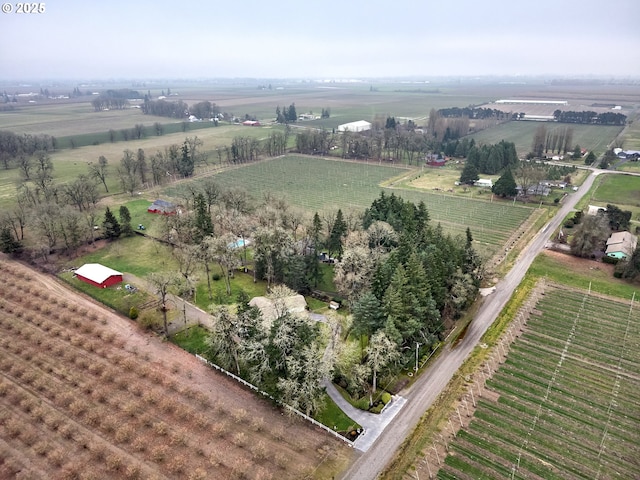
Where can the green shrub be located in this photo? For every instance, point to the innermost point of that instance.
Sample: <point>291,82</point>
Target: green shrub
<point>611,260</point>
<point>377,408</point>
<point>362,403</point>
<point>133,313</point>
<point>386,397</point>
<point>148,321</point>
<point>215,277</point>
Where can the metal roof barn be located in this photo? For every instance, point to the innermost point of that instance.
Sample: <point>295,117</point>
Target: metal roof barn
<point>98,275</point>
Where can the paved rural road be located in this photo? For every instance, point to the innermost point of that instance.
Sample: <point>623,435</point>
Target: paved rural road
<point>435,378</point>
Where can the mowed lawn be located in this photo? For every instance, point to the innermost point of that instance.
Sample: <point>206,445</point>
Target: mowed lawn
<point>591,137</point>
<point>618,189</point>
<point>317,184</point>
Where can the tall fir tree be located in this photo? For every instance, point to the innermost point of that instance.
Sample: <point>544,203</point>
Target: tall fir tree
<point>505,186</point>
<point>203,223</point>
<point>111,225</point>
<point>125,221</point>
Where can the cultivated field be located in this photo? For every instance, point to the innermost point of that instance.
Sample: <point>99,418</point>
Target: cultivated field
<point>591,137</point>
<point>316,184</point>
<point>84,394</point>
<point>565,403</point>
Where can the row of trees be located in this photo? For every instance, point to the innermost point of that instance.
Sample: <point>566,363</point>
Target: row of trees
<point>16,149</point>
<point>473,112</point>
<point>588,117</point>
<point>559,139</point>
<point>164,108</point>
<point>114,99</point>
<point>286,115</point>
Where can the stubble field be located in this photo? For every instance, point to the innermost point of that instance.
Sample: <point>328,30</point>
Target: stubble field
<point>84,394</point>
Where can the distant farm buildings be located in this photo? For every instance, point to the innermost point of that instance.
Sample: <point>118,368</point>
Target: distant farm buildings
<point>162,207</point>
<point>621,245</point>
<point>98,275</point>
<point>532,102</point>
<point>435,160</point>
<point>359,126</point>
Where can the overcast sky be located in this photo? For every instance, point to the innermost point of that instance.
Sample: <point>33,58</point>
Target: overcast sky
<point>320,39</point>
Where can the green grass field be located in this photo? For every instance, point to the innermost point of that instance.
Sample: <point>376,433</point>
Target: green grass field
<point>591,137</point>
<point>316,184</point>
<point>620,190</point>
<point>566,406</point>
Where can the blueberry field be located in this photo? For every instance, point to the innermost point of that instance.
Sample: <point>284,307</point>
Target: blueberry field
<point>316,184</point>
<point>565,403</point>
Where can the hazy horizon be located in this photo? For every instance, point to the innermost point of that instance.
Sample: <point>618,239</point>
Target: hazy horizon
<point>288,39</point>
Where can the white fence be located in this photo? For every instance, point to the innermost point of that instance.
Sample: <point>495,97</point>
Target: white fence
<point>288,407</point>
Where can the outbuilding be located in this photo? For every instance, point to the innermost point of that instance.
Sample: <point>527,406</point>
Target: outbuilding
<point>163,207</point>
<point>98,275</point>
<point>359,126</point>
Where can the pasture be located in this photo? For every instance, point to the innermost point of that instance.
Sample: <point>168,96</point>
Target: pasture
<point>591,137</point>
<point>318,184</point>
<point>617,189</point>
<point>69,163</point>
<point>85,394</point>
<point>564,404</point>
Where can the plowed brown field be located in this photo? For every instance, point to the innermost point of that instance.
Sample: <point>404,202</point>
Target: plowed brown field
<point>85,394</point>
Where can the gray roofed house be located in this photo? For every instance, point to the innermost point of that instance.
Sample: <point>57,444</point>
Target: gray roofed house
<point>621,245</point>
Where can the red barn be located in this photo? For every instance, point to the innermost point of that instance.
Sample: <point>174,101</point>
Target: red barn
<point>98,275</point>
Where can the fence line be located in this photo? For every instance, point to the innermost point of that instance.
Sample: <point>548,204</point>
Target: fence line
<point>265,394</point>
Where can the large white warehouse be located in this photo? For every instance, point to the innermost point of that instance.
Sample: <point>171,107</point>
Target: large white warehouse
<point>359,126</point>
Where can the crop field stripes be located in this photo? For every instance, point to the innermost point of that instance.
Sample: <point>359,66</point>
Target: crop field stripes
<point>564,402</point>
<point>317,184</point>
<point>616,387</point>
<point>552,381</point>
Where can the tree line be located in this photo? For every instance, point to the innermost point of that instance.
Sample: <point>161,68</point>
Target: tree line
<point>114,99</point>
<point>589,117</point>
<point>549,141</point>
<point>15,149</point>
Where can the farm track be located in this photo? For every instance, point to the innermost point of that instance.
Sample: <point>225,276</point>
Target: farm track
<point>567,405</point>
<point>84,395</point>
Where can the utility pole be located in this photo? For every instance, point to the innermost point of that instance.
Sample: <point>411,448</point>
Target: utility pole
<point>417,348</point>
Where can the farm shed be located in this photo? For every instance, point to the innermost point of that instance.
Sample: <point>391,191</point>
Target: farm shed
<point>484,183</point>
<point>98,275</point>
<point>621,245</point>
<point>435,160</point>
<point>359,126</point>
<point>162,207</point>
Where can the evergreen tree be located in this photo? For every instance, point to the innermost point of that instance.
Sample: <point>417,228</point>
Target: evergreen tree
<point>8,243</point>
<point>292,116</point>
<point>469,174</point>
<point>203,224</point>
<point>186,163</point>
<point>125,221</point>
<point>505,186</point>
<point>590,158</point>
<point>110,225</point>
<point>338,231</point>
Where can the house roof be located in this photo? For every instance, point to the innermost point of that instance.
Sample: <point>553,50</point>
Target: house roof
<point>269,309</point>
<point>96,272</point>
<point>624,242</point>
